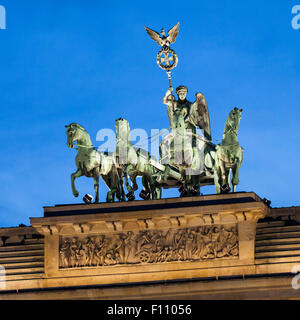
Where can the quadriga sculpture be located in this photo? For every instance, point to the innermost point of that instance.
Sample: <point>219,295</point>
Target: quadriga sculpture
<point>91,163</point>
<point>229,155</point>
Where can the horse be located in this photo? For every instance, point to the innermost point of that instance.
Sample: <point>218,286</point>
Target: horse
<point>135,162</point>
<point>229,155</point>
<point>92,163</point>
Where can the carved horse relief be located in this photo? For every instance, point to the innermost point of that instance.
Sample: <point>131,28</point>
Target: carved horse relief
<point>150,246</point>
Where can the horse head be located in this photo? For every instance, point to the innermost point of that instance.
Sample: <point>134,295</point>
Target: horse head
<point>74,133</point>
<point>122,129</point>
<point>233,121</point>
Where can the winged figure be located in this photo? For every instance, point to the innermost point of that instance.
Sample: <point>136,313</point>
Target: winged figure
<point>161,38</point>
<point>199,115</point>
<point>196,114</point>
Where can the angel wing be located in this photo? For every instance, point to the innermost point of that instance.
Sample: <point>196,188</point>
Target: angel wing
<point>173,33</point>
<point>154,35</point>
<point>199,115</point>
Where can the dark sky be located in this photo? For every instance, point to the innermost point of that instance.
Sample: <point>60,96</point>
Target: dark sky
<point>92,62</point>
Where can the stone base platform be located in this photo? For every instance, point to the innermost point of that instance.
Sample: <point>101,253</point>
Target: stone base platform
<point>182,248</point>
<point>143,241</point>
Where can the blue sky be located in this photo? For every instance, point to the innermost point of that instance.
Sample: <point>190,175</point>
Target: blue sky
<point>92,62</point>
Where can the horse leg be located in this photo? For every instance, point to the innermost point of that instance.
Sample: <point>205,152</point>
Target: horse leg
<point>224,178</point>
<point>107,180</point>
<point>153,188</point>
<point>96,187</point>
<point>115,184</point>
<point>146,187</point>
<point>109,196</point>
<point>195,186</point>
<point>116,181</point>
<point>133,179</point>
<point>121,184</point>
<point>227,180</point>
<point>223,173</point>
<point>217,173</point>
<point>129,173</point>
<point>235,176</point>
<point>149,184</point>
<point>75,175</point>
<point>216,179</point>
<point>158,192</point>
<point>127,183</point>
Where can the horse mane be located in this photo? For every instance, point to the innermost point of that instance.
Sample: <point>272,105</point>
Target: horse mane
<point>81,128</point>
<point>228,126</point>
<point>126,122</point>
<point>77,125</point>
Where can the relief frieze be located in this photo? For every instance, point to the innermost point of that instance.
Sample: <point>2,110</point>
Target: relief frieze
<point>149,247</point>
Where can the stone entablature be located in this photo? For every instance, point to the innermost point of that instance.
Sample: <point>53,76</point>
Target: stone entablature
<point>154,240</point>
<point>270,246</point>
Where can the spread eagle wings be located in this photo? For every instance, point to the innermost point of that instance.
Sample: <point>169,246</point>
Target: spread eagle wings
<point>199,115</point>
<point>173,32</point>
<point>154,35</point>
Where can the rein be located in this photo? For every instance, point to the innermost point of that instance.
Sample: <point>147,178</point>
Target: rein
<point>82,146</point>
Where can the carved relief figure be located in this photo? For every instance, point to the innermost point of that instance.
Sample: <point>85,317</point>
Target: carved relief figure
<point>149,246</point>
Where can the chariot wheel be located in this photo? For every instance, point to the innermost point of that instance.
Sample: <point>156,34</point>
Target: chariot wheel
<point>144,256</point>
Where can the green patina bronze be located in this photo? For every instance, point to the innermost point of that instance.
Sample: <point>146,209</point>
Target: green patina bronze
<point>91,163</point>
<point>184,150</point>
<point>229,155</point>
<point>188,160</point>
<point>135,163</point>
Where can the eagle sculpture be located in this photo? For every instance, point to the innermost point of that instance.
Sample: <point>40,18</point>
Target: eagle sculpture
<point>162,39</point>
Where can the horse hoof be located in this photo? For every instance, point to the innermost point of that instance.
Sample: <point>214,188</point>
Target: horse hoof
<point>87,198</point>
<point>183,192</point>
<point>145,195</point>
<point>76,194</point>
<point>195,190</point>
<point>225,189</point>
<point>130,196</point>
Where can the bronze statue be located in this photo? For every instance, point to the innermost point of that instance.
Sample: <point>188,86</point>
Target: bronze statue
<point>187,160</point>
<point>166,58</point>
<point>163,40</point>
<point>91,163</point>
<point>134,163</point>
<point>195,114</point>
<point>184,149</point>
<point>229,155</point>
